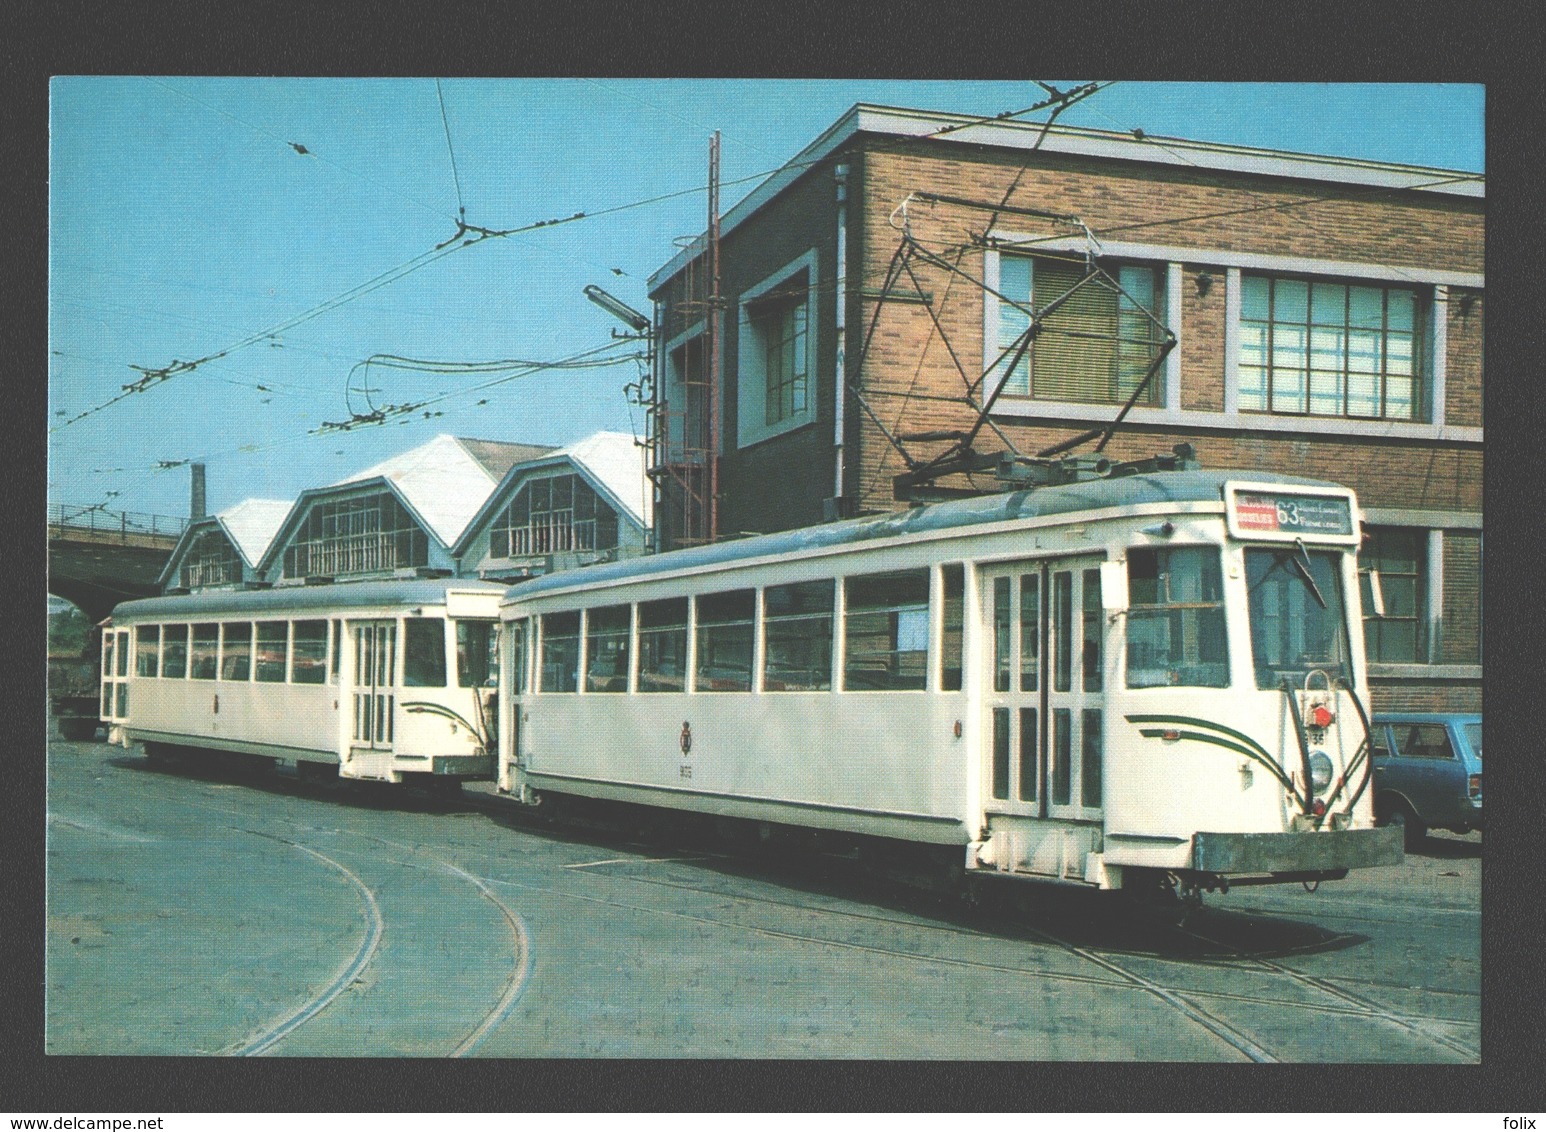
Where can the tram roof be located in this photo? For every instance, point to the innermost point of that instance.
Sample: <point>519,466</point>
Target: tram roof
<point>1041,502</point>
<point>334,595</point>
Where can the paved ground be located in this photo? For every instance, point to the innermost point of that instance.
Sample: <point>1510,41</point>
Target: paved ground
<point>196,912</point>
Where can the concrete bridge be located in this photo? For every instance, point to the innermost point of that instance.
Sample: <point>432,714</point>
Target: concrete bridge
<point>97,557</point>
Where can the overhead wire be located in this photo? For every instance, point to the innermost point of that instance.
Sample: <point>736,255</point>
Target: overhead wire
<point>1063,101</point>
<point>298,147</point>
<point>461,209</point>
<point>151,377</point>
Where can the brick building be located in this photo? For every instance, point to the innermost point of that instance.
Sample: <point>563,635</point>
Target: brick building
<point>1327,313</point>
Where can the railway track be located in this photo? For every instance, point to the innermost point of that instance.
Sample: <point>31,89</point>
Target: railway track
<point>1018,949</point>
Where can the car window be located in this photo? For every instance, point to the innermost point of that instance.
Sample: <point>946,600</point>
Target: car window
<point>1381,741</point>
<point>1473,734</point>
<point>1423,741</point>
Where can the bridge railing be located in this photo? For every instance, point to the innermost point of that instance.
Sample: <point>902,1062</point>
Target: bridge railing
<point>126,524</point>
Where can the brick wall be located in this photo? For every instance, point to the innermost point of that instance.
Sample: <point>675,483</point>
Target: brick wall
<point>912,379</point>
<point>1460,639</point>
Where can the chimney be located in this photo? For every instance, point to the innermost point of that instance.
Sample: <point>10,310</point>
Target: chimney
<point>196,503</point>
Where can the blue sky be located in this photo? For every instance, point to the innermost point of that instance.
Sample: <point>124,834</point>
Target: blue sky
<point>183,222</point>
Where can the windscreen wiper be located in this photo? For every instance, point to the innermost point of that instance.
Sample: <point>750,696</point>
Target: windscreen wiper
<point>1302,564</point>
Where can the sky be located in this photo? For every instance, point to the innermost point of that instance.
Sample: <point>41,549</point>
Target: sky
<point>291,226</point>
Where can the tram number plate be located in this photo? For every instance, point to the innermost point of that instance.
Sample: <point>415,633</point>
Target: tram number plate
<point>1295,514</point>
<point>686,770</point>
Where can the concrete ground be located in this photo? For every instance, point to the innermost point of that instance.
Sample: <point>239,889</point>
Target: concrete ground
<point>204,912</point>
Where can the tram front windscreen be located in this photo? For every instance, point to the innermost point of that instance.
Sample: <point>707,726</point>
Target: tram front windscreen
<point>1298,617</point>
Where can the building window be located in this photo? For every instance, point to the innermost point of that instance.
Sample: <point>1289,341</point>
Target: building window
<point>775,353</point>
<point>1317,348</point>
<point>779,326</point>
<point>1097,346</point>
<point>553,515</point>
<point>211,561</point>
<point>356,536</point>
<point>1400,557</point>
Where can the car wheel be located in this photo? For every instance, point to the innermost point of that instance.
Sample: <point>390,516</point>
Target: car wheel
<point>1413,832</point>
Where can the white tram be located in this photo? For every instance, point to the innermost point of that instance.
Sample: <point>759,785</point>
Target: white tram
<point>370,680</point>
<point>1111,683</point>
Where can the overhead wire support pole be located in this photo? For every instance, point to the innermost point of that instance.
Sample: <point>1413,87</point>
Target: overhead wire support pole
<point>715,329</point>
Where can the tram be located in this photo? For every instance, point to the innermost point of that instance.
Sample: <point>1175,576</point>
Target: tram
<point>388,680</point>
<point>1151,678</point>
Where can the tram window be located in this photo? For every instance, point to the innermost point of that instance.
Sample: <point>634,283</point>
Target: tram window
<point>1175,618</point>
<point>797,629</point>
<point>424,652</point>
<point>1092,624</point>
<point>1028,738</point>
<point>725,625</point>
<point>1063,630</point>
<point>561,652</point>
<point>203,657</point>
<point>122,711</point>
<point>1001,657</point>
<point>308,660</point>
<point>517,637</point>
<point>273,649</point>
<point>174,652</point>
<point>336,633</point>
<point>236,650</point>
<point>1294,599</point>
<point>477,658</point>
<point>886,630</point>
<point>606,649</point>
<point>951,649</point>
<point>1030,632</point>
<point>147,650</point>
<point>1062,750</point>
<point>123,653</point>
<point>663,645</point>
<point>1090,758</point>
<point>1001,752</point>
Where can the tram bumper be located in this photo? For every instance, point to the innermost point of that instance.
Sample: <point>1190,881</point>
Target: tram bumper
<point>464,766</point>
<point>1318,852</point>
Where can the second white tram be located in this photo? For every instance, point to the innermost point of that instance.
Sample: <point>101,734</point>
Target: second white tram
<point>377,680</point>
<point>1108,683</point>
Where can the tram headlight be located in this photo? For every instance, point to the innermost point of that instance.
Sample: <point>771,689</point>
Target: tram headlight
<point>1320,770</point>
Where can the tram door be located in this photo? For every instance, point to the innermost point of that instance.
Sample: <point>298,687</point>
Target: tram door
<point>375,663</point>
<point>1042,691</point>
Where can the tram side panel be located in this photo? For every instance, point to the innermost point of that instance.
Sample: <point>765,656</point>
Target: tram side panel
<point>882,763</point>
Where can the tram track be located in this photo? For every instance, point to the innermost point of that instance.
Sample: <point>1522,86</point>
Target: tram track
<point>345,979</point>
<point>352,970</point>
<point>1338,1000</point>
<point>1350,1006</point>
<point>1325,986</point>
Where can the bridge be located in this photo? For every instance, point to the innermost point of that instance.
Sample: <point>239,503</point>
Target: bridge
<point>97,557</point>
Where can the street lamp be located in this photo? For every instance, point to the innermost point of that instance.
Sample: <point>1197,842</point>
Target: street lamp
<point>618,309</point>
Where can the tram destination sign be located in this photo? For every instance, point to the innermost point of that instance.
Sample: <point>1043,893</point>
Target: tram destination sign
<point>1277,511</point>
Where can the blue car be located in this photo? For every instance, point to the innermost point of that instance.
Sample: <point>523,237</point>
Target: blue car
<point>1428,772</point>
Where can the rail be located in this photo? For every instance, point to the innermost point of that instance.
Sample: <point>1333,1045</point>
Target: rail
<point>125,524</point>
